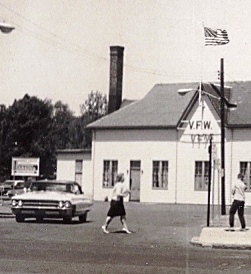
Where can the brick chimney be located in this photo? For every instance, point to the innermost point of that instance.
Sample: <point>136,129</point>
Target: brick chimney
<point>116,77</point>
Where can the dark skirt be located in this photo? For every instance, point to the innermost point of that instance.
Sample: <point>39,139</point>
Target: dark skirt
<point>116,208</point>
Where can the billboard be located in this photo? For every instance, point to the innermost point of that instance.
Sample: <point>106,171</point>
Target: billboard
<point>25,167</point>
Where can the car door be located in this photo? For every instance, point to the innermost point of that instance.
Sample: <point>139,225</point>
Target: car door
<point>79,199</point>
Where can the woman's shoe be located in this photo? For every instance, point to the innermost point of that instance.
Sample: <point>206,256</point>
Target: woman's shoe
<point>126,230</point>
<point>104,229</point>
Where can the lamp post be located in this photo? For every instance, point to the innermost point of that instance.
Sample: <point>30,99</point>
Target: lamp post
<point>223,103</point>
<point>222,108</point>
<point>209,179</point>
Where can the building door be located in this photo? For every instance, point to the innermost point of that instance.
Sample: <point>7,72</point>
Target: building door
<point>135,180</point>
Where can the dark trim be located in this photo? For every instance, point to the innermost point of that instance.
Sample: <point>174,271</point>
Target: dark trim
<point>69,151</point>
<point>188,108</point>
<point>132,127</point>
<point>238,126</point>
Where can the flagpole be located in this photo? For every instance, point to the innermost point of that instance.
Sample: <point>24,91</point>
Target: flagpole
<point>202,68</point>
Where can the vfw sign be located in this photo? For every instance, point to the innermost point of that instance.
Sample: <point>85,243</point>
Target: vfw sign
<point>202,126</point>
<point>25,167</point>
<point>200,131</point>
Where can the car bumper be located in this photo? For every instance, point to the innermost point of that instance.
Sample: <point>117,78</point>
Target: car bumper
<point>49,213</point>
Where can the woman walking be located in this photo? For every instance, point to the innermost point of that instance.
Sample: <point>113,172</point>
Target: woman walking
<point>117,204</point>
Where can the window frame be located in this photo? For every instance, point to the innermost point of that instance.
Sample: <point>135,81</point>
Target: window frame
<point>110,171</point>
<point>159,178</point>
<point>246,170</point>
<point>201,175</point>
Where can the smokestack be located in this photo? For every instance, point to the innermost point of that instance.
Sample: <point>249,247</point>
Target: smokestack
<point>116,77</point>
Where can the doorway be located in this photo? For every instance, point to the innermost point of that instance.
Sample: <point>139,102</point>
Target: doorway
<point>135,180</point>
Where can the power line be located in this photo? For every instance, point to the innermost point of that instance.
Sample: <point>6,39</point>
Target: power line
<point>63,44</point>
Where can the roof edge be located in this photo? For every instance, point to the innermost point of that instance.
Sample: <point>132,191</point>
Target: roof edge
<point>132,127</point>
<point>77,150</point>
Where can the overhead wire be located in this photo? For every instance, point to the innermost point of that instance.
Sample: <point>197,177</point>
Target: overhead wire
<point>51,33</point>
<point>66,45</point>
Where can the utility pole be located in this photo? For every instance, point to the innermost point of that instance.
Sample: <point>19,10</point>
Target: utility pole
<point>222,118</point>
<point>209,180</point>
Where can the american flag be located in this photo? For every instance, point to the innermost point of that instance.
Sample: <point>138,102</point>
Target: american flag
<point>215,37</point>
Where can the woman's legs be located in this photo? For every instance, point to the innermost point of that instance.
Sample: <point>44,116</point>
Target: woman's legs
<point>125,228</point>
<point>107,222</point>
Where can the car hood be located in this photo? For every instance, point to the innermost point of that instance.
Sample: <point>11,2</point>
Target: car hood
<point>6,186</point>
<point>48,195</point>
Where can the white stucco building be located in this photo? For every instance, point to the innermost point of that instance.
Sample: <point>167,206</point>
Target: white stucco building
<point>161,144</point>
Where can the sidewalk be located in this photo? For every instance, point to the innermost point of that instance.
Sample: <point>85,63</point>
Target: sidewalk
<point>217,236</point>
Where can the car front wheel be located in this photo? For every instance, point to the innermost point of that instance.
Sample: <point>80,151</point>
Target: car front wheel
<point>19,218</point>
<point>82,218</point>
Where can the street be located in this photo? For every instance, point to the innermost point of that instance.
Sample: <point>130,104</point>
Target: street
<point>159,244</point>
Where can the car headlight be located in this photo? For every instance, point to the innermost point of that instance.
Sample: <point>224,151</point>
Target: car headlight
<point>61,204</point>
<point>20,203</point>
<point>67,204</point>
<point>14,203</point>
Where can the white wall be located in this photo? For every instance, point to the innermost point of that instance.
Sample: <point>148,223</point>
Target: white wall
<point>181,148</point>
<point>66,169</point>
<point>141,145</point>
<point>241,148</point>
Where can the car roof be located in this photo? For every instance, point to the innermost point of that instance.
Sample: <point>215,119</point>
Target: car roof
<point>13,181</point>
<point>55,181</point>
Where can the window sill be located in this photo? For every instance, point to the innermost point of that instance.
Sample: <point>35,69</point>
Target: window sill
<point>159,188</point>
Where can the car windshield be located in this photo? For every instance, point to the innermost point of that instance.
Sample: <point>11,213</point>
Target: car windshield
<point>9,183</point>
<point>51,186</point>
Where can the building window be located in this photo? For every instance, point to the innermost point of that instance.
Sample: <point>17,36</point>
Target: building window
<point>245,168</point>
<point>160,174</point>
<point>201,175</point>
<point>78,171</point>
<point>110,171</point>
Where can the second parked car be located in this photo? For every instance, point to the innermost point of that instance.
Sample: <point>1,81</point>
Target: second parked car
<point>10,185</point>
<point>18,188</point>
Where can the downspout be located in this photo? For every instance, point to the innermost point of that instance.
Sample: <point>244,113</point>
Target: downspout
<point>93,161</point>
<point>176,169</point>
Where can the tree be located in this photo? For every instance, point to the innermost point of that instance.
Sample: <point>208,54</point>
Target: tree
<point>28,132</point>
<point>95,107</point>
<point>2,136</point>
<point>62,126</point>
<point>36,128</point>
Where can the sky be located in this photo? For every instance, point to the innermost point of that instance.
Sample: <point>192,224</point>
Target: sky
<point>60,49</point>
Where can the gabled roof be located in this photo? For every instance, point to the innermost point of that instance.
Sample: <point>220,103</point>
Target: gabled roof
<point>163,107</point>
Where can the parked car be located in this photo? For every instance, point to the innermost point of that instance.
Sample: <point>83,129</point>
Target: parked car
<point>17,189</point>
<point>9,185</point>
<point>51,199</point>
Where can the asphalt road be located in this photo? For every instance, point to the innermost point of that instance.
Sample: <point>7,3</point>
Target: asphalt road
<point>159,244</point>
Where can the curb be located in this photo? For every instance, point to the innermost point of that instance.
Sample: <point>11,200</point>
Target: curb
<point>195,241</point>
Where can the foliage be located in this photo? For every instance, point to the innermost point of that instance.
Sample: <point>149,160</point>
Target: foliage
<point>36,128</point>
<point>61,126</point>
<point>27,132</point>
<point>95,107</point>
